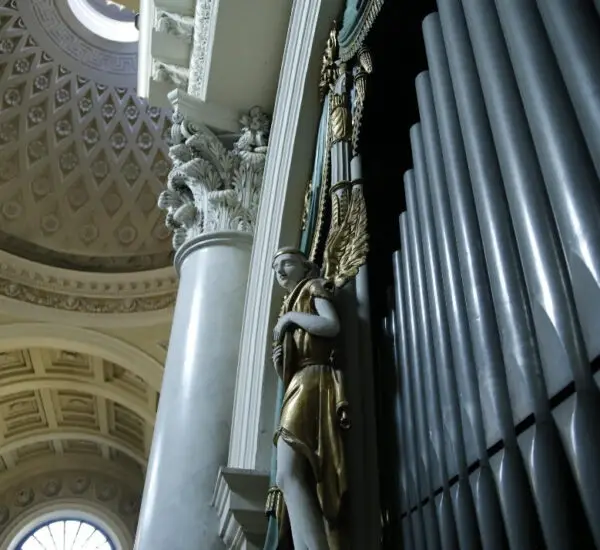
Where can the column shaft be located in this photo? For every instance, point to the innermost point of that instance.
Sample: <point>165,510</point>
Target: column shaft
<point>191,437</point>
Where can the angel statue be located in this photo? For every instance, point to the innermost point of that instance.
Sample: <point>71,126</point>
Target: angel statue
<point>311,469</point>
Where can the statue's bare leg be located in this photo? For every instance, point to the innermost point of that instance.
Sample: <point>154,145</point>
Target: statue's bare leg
<point>305,516</point>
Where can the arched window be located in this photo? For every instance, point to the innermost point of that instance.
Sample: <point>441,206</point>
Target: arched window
<point>66,534</point>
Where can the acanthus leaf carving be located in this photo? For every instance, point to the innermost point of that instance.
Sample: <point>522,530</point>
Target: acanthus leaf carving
<point>212,187</point>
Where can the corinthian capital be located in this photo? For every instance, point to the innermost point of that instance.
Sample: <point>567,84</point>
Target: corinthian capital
<point>213,187</point>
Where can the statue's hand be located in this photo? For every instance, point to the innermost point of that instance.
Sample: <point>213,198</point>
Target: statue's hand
<point>277,355</point>
<point>282,325</point>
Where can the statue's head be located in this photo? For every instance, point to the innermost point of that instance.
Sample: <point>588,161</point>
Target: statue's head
<point>291,266</point>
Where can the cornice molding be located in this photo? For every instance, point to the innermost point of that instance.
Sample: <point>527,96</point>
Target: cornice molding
<point>74,338</point>
<point>76,291</point>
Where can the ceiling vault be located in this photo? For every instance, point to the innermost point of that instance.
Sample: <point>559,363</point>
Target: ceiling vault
<point>87,286</point>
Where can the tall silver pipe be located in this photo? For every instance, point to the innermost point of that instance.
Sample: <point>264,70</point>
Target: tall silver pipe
<point>561,341</point>
<point>450,409</point>
<point>486,198</point>
<point>432,394</point>
<point>389,380</point>
<point>559,334</point>
<point>418,364</point>
<point>407,457</point>
<point>515,497</point>
<point>573,31</point>
<point>420,521</point>
<point>486,500</point>
<point>464,510</point>
<point>430,385</point>
<point>568,170</point>
<point>480,313</point>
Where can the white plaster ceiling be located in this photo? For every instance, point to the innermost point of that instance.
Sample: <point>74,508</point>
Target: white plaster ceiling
<point>60,402</point>
<point>82,331</point>
<point>82,159</point>
<point>57,402</point>
<point>60,408</point>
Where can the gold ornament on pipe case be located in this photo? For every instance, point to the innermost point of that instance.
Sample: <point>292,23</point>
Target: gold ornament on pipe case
<point>315,412</point>
<point>328,64</point>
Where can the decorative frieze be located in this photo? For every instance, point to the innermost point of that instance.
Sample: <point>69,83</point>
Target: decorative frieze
<point>213,187</point>
<point>199,57</point>
<point>69,290</point>
<point>102,491</point>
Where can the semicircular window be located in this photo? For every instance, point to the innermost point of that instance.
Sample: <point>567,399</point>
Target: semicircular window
<point>66,535</point>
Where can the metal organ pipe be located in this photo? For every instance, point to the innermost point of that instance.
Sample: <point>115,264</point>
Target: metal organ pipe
<point>497,283</point>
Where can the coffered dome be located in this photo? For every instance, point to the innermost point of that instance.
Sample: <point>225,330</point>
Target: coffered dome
<point>82,159</point>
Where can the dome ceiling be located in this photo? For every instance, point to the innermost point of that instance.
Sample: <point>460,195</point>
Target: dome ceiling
<point>82,159</point>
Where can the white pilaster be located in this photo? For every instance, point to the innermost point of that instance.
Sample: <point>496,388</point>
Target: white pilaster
<point>288,166</point>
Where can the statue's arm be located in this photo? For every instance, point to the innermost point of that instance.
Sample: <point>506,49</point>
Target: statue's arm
<point>325,324</point>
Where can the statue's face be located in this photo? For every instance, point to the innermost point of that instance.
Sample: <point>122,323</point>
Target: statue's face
<point>289,270</point>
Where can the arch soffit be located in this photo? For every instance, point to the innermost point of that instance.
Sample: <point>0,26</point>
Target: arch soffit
<point>104,390</point>
<point>73,434</point>
<point>55,336</point>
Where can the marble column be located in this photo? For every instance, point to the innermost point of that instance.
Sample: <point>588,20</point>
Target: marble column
<point>210,202</point>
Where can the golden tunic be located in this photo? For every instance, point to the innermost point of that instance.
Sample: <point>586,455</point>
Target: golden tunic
<point>312,404</point>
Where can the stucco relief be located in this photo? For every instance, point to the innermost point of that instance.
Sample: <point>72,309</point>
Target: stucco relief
<point>102,491</point>
<point>83,160</point>
<point>199,59</point>
<point>213,187</point>
<point>72,291</point>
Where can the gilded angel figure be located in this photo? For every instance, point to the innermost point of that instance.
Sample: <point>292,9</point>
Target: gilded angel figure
<point>311,468</point>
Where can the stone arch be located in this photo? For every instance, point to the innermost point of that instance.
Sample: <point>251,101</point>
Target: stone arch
<point>74,434</point>
<point>56,336</point>
<point>90,511</point>
<point>122,397</point>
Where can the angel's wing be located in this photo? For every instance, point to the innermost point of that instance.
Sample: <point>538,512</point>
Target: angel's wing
<point>347,244</point>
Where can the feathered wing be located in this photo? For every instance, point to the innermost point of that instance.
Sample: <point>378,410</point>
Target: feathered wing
<point>347,244</point>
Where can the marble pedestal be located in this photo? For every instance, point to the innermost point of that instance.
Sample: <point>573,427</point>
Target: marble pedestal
<point>191,437</point>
